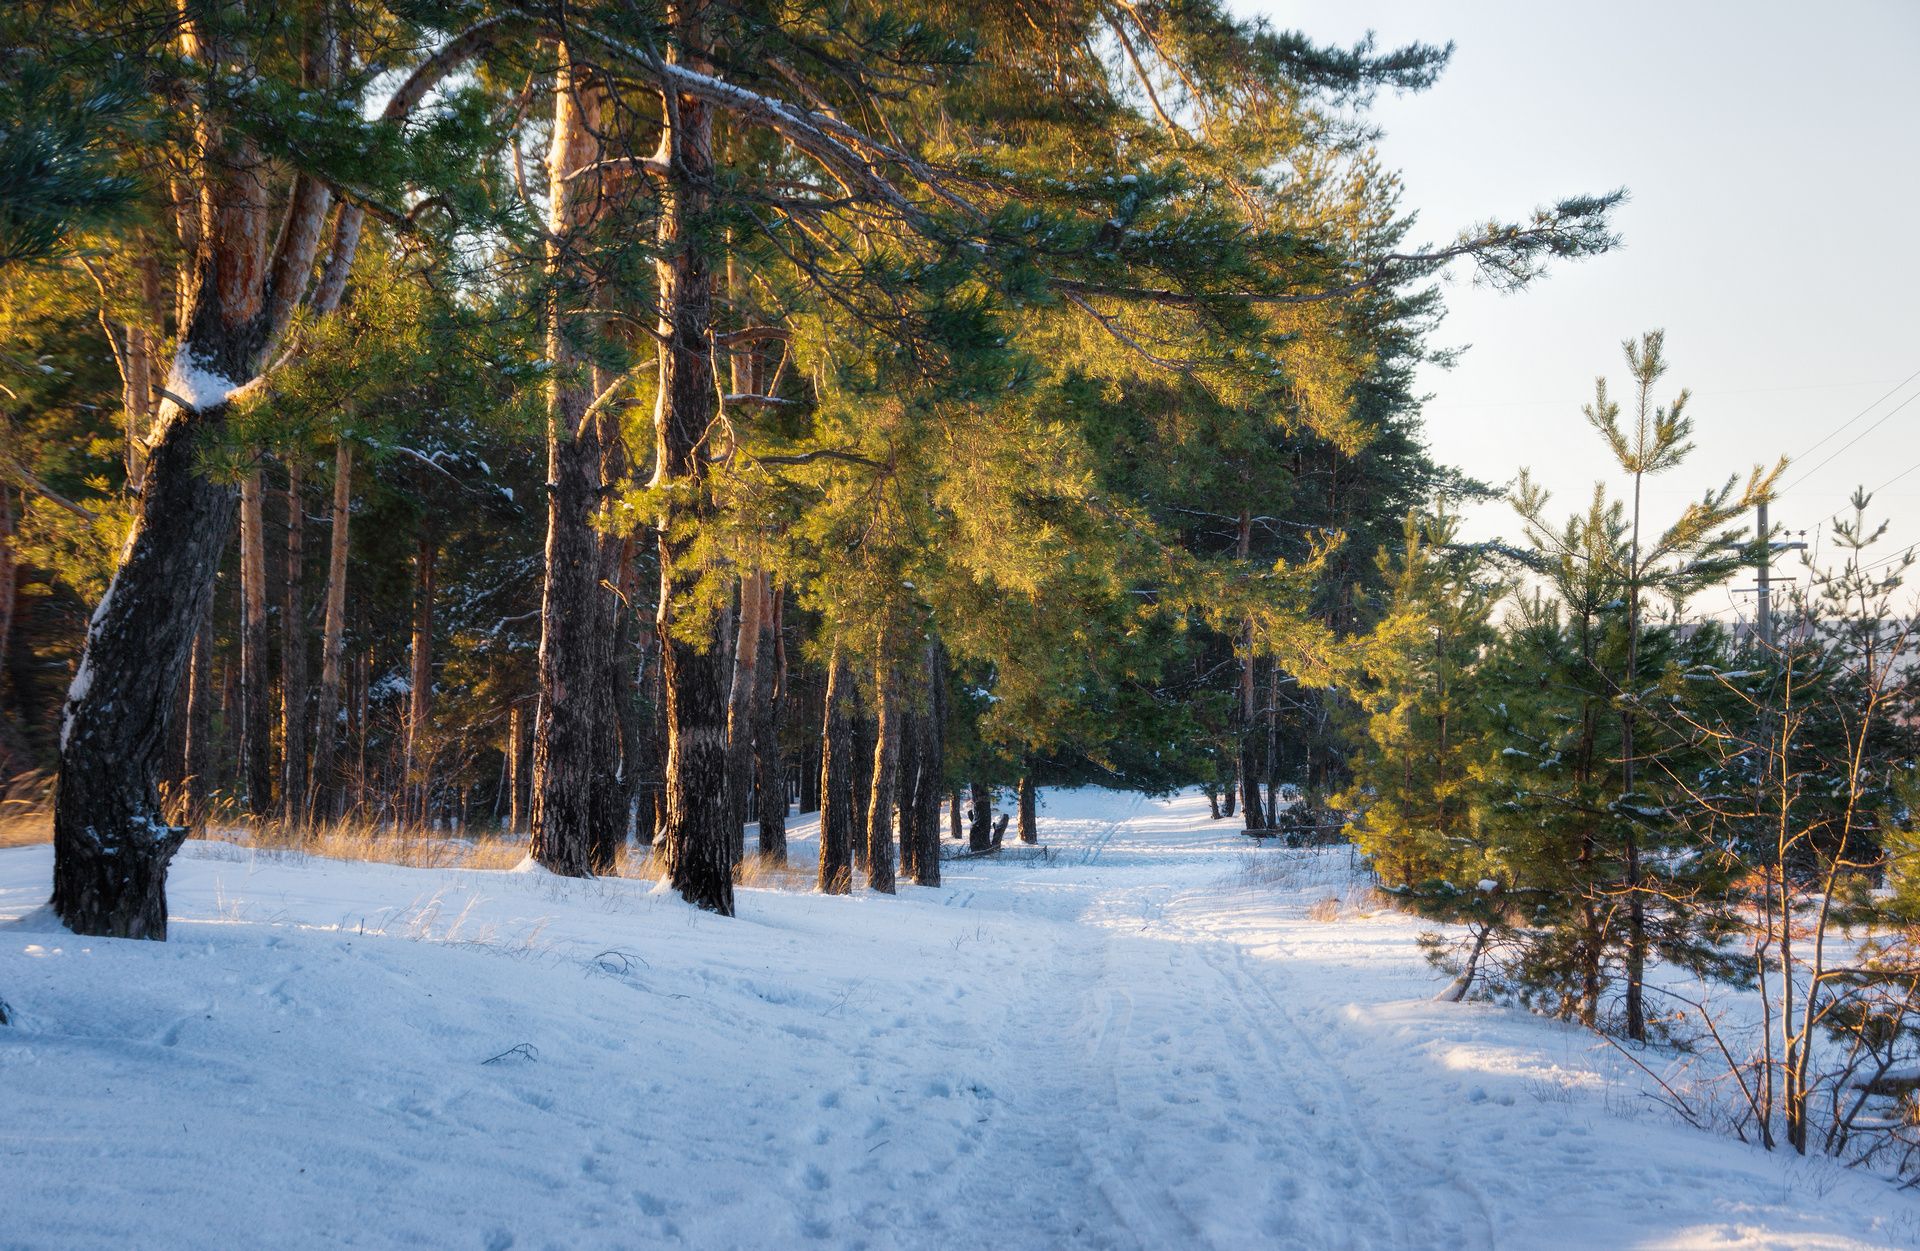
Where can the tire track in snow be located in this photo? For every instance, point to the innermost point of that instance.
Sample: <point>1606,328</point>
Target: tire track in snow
<point>1064,1127</point>
<point>1147,1208</point>
<point>1098,847</point>
<point>1463,1219</point>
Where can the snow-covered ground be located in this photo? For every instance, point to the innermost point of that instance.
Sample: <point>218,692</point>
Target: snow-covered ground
<point>1149,1041</point>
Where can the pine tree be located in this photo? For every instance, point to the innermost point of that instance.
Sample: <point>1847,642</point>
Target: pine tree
<point>1414,802</point>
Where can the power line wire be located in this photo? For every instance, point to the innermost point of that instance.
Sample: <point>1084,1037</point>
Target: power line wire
<point>1857,416</point>
<point>1841,450</point>
<point>1890,481</point>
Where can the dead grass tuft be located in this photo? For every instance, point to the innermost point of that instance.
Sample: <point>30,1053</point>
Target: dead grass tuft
<point>26,812</point>
<point>414,846</point>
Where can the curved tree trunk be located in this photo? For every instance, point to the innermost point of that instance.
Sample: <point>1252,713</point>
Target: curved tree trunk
<point>111,844</point>
<point>836,781</point>
<point>566,734</point>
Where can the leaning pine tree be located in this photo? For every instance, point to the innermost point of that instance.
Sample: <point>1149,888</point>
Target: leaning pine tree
<point>273,139</point>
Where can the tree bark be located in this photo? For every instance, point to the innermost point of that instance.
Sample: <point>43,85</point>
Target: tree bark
<point>613,763</point>
<point>9,590</point>
<point>810,769</point>
<point>199,750</point>
<point>953,816</point>
<point>770,697</point>
<point>630,721</point>
<point>931,762</point>
<point>256,696</point>
<point>836,781</point>
<point>1029,819</point>
<point>111,844</point>
<point>980,830</point>
<point>907,776</point>
<point>881,795</point>
<point>863,742</point>
<point>293,660</point>
<point>418,765</point>
<point>740,694</point>
<point>1271,717</point>
<point>567,734</point>
<point>699,827</point>
<point>516,788</point>
<point>328,790</point>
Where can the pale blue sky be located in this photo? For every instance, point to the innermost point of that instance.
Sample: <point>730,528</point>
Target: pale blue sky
<point>1772,155</point>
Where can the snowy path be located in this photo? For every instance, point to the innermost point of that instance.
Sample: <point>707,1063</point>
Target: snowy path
<point>1147,1042</point>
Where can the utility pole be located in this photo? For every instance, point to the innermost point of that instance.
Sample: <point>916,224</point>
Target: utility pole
<point>1763,607</point>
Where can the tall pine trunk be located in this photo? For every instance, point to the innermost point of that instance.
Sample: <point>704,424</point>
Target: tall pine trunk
<point>199,750</point>
<point>907,776</point>
<point>769,700</point>
<point>329,792</point>
<point>516,756</point>
<point>931,761</point>
<point>417,768</point>
<point>700,826</point>
<point>886,759</point>
<point>612,763</point>
<point>256,695</point>
<point>836,780</point>
<point>740,694</point>
<point>809,800</point>
<point>568,735</point>
<point>9,591</point>
<point>293,660</point>
<point>980,828</point>
<point>628,733</point>
<point>1029,818</point>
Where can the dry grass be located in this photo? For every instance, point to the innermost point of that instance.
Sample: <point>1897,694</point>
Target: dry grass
<point>28,820</point>
<point>410,845</point>
<point>421,848</point>
<point>1326,910</point>
<point>24,829</point>
<point>26,812</point>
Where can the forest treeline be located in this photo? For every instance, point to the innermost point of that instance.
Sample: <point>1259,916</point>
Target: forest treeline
<point>618,424</point>
<point>607,418</point>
